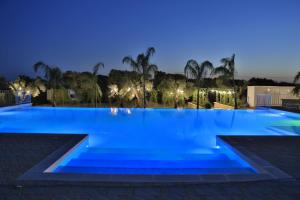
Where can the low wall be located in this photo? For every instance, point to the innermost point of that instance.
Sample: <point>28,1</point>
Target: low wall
<point>218,105</point>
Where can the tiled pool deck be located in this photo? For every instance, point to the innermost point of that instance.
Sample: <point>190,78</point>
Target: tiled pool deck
<point>19,153</point>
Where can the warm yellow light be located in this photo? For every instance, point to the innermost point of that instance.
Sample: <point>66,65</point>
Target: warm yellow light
<point>128,111</point>
<point>179,91</point>
<point>114,111</point>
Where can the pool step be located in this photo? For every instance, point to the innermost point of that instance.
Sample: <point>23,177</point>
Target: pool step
<point>151,150</point>
<point>154,163</point>
<point>151,156</point>
<point>105,170</point>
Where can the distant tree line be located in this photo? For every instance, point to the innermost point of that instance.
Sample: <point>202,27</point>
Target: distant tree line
<point>200,83</point>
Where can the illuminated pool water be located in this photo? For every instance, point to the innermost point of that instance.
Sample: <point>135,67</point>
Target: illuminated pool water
<point>150,141</point>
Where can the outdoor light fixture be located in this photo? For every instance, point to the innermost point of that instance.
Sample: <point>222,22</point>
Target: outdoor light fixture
<point>179,91</point>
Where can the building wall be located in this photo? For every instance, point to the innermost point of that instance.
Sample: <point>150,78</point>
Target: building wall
<point>251,96</point>
<point>277,92</point>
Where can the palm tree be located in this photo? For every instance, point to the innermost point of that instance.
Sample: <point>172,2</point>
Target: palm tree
<point>227,71</point>
<point>97,88</point>
<point>53,76</point>
<point>198,72</point>
<point>143,67</point>
<point>296,89</point>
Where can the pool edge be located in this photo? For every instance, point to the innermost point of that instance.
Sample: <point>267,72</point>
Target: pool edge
<point>36,176</point>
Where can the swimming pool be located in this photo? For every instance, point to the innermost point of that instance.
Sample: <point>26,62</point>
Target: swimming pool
<point>150,141</point>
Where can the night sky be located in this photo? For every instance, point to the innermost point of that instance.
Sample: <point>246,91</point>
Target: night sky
<point>75,35</point>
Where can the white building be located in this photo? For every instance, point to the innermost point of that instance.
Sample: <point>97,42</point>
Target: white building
<point>269,95</point>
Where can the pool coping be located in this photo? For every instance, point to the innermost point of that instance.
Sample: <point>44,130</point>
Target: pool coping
<point>36,176</point>
<point>12,107</point>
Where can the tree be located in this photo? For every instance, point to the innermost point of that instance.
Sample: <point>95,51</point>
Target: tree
<point>296,89</point>
<point>71,80</point>
<point>143,67</point>
<point>113,92</point>
<point>53,76</point>
<point>25,86</point>
<point>172,90</point>
<point>131,90</point>
<point>227,71</point>
<point>126,86</point>
<point>97,89</point>
<point>198,72</point>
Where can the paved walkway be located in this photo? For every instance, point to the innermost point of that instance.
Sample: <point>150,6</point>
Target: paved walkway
<point>18,153</point>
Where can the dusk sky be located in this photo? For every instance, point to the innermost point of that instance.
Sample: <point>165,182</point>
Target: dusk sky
<point>75,35</point>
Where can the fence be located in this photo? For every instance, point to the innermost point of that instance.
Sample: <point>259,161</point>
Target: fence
<point>7,98</point>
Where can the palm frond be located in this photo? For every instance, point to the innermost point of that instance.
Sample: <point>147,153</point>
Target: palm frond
<point>224,61</point>
<point>221,71</point>
<point>130,61</point>
<point>150,52</point>
<point>205,68</point>
<point>297,77</point>
<point>151,69</point>
<point>97,67</point>
<point>207,64</point>
<point>99,91</point>
<point>296,90</point>
<point>40,66</point>
<point>190,69</point>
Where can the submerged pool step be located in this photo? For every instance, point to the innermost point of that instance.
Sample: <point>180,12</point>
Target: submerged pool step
<point>150,150</point>
<point>99,170</point>
<point>150,156</point>
<point>155,163</point>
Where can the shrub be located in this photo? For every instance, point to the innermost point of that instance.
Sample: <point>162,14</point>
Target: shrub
<point>207,105</point>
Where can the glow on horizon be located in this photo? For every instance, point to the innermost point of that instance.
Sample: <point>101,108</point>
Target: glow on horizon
<point>77,35</point>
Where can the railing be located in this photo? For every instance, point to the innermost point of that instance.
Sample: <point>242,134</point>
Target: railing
<point>7,98</point>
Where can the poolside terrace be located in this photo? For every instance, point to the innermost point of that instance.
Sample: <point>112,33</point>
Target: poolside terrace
<point>26,150</point>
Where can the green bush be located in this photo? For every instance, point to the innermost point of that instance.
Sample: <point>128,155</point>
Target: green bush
<point>207,105</point>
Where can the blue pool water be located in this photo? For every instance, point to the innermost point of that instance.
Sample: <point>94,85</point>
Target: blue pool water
<point>150,141</point>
